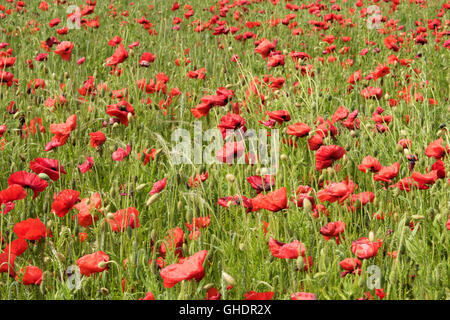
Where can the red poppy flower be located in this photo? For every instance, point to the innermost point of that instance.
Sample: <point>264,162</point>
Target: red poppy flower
<point>30,229</point>
<point>7,263</point>
<point>213,294</point>
<point>439,166</point>
<point>371,92</point>
<point>365,249</point>
<point>298,130</point>
<point>158,186</point>
<point>333,230</point>
<point>252,295</point>
<point>387,173</point>
<point>93,263</point>
<point>28,180</point>
<point>361,199</point>
<point>119,56</point>
<point>148,296</point>
<point>350,265</point>
<point>120,111</point>
<point>290,250</point>
<point>230,151</point>
<point>97,138</point>
<point>17,247</point>
<point>303,296</point>
<point>199,223</point>
<point>273,201</point>
<point>64,49</point>
<point>407,184</point>
<point>326,155</point>
<point>279,116</point>
<point>87,165</point>
<point>125,218</point>
<point>190,268</point>
<point>30,275</point>
<point>86,209</point>
<point>173,241</point>
<point>12,193</point>
<point>370,163</point>
<point>121,153</point>
<point>64,202</point>
<point>235,200</point>
<point>380,71</point>
<point>231,122</point>
<point>265,47</point>
<point>429,178</point>
<point>436,150</point>
<point>147,155</point>
<point>336,191</point>
<point>62,132</point>
<point>146,59</point>
<point>50,167</point>
<point>259,183</point>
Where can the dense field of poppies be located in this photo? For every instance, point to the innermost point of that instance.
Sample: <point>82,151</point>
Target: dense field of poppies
<point>100,200</point>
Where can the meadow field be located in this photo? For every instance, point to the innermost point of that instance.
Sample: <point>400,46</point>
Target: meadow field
<point>234,149</point>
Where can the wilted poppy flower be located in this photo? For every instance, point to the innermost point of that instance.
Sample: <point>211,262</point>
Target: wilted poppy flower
<point>190,268</point>
<point>30,229</point>
<point>303,296</point>
<point>93,263</point>
<point>30,275</point>
<point>199,223</point>
<point>64,202</point>
<point>252,295</point>
<point>97,138</point>
<point>121,153</point>
<point>326,155</point>
<point>173,241</point>
<point>298,129</point>
<point>371,92</point>
<point>290,250</point>
<point>50,167</point>
<point>259,183</point>
<point>365,249</point>
<point>234,200</point>
<point>158,186</point>
<point>64,49</point>
<point>273,201</point>
<point>28,180</point>
<point>387,173</point>
<point>125,218</point>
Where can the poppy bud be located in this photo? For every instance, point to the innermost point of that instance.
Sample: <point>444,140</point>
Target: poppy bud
<point>153,235</point>
<point>403,133</point>
<point>46,259</point>
<point>152,199</point>
<point>208,286</point>
<point>112,192</point>
<point>242,246</point>
<point>437,217</point>
<point>300,263</point>
<point>406,152</point>
<point>104,291</point>
<point>398,148</point>
<point>140,187</point>
<point>258,171</point>
<point>230,177</point>
<point>319,274</point>
<point>283,157</point>
<point>61,257</point>
<point>229,280</point>
<point>417,217</point>
<point>115,125</point>
<point>307,205</point>
<point>44,176</point>
<point>102,265</point>
<point>110,216</point>
<point>371,236</point>
<point>353,133</point>
<point>49,223</point>
<point>129,116</point>
<point>396,192</point>
<point>331,171</point>
<point>189,215</point>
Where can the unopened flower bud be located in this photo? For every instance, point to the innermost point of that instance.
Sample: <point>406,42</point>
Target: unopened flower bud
<point>371,236</point>
<point>229,280</point>
<point>230,177</point>
<point>152,199</point>
<point>283,157</point>
<point>141,186</point>
<point>102,265</point>
<point>44,176</point>
<point>104,291</point>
